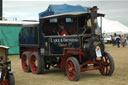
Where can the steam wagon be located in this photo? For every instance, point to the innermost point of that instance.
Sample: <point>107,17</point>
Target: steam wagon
<point>6,76</point>
<point>69,41</point>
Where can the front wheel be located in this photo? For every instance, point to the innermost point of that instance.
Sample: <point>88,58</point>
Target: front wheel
<point>73,69</point>
<point>107,65</point>
<point>11,79</point>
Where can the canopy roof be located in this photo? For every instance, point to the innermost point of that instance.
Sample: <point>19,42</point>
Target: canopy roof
<point>65,8</point>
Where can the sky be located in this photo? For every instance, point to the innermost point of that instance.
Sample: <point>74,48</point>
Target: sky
<point>29,9</point>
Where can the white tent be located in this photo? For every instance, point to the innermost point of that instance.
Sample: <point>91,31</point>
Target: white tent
<point>109,26</point>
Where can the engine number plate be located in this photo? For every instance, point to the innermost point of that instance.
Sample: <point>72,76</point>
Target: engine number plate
<point>98,53</point>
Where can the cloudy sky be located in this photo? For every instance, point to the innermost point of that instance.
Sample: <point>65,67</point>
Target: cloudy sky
<point>29,9</point>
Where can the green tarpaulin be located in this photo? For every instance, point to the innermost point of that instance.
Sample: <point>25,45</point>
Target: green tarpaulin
<point>9,37</point>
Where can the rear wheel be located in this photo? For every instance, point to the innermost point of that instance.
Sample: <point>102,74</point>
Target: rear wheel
<point>73,69</point>
<point>25,61</point>
<point>37,63</point>
<point>107,65</point>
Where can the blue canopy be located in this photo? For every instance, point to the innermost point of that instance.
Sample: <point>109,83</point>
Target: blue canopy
<point>57,9</point>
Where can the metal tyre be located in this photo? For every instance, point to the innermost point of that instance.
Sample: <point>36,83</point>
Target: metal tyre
<point>73,69</point>
<point>107,65</point>
<point>11,79</point>
<point>37,63</point>
<point>25,61</point>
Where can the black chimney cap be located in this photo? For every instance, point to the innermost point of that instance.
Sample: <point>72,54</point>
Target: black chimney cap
<point>94,8</point>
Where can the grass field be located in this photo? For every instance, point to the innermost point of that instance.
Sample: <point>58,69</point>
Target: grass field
<point>57,77</point>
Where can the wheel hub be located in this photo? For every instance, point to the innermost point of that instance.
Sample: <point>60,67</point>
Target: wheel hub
<point>26,61</point>
<point>70,69</point>
<point>36,63</point>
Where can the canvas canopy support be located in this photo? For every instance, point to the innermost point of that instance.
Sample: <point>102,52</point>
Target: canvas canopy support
<point>9,37</point>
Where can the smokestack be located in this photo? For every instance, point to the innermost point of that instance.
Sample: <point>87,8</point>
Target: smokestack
<point>1,9</point>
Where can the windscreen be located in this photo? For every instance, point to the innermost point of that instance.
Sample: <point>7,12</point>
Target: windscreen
<point>55,26</point>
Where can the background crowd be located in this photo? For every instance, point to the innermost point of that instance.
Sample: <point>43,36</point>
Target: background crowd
<point>119,40</point>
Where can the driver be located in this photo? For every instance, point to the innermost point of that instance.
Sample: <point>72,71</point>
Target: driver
<point>63,31</point>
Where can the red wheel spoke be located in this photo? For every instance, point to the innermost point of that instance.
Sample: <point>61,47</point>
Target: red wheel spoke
<point>74,72</point>
<point>24,64</point>
<point>108,64</point>
<point>68,66</point>
<point>71,64</point>
<point>106,69</point>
